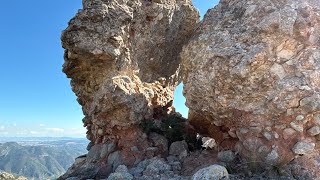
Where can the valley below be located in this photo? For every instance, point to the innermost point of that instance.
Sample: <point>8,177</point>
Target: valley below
<point>39,158</point>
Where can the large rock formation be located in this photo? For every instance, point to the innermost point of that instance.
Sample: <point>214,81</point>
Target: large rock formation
<point>252,78</point>
<point>252,81</point>
<point>123,61</point>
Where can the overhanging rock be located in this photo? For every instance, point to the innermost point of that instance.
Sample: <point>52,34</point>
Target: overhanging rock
<point>122,57</point>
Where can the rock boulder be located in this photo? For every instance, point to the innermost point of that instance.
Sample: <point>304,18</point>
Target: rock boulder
<point>252,76</point>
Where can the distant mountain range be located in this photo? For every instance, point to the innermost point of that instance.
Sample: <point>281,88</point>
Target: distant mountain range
<point>40,158</point>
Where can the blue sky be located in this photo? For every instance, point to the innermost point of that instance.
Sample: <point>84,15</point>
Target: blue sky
<point>35,96</point>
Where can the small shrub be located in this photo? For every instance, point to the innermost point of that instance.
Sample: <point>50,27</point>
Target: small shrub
<point>173,128</point>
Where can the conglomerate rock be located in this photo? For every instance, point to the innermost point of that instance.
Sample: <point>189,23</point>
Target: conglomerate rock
<point>252,75</point>
<point>121,56</point>
<point>251,71</point>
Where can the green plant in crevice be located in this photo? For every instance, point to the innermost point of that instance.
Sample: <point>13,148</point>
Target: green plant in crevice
<point>149,126</point>
<point>173,128</point>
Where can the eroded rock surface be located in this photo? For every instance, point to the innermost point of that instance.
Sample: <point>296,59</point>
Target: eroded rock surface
<point>252,78</point>
<point>121,57</point>
<point>251,71</point>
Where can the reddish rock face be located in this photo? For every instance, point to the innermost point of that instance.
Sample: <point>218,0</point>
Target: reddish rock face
<point>251,73</point>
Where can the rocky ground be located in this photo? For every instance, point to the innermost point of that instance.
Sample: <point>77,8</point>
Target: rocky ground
<point>251,71</point>
<point>182,164</point>
<point>7,176</point>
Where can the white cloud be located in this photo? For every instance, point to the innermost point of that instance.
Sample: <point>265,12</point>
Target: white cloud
<point>2,128</point>
<point>79,131</point>
<point>41,130</point>
<point>4,133</point>
<point>22,133</point>
<point>34,132</point>
<point>76,132</point>
<point>55,130</point>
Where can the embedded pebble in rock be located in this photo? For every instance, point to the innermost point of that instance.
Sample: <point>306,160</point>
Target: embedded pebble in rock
<point>296,126</point>
<point>214,172</point>
<point>300,118</point>
<point>317,118</point>
<point>303,147</point>
<point>288,133</point>
<point>100,132</point>
<point>273,157</point>
<point>314,131</point>
<point>267,135</point>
